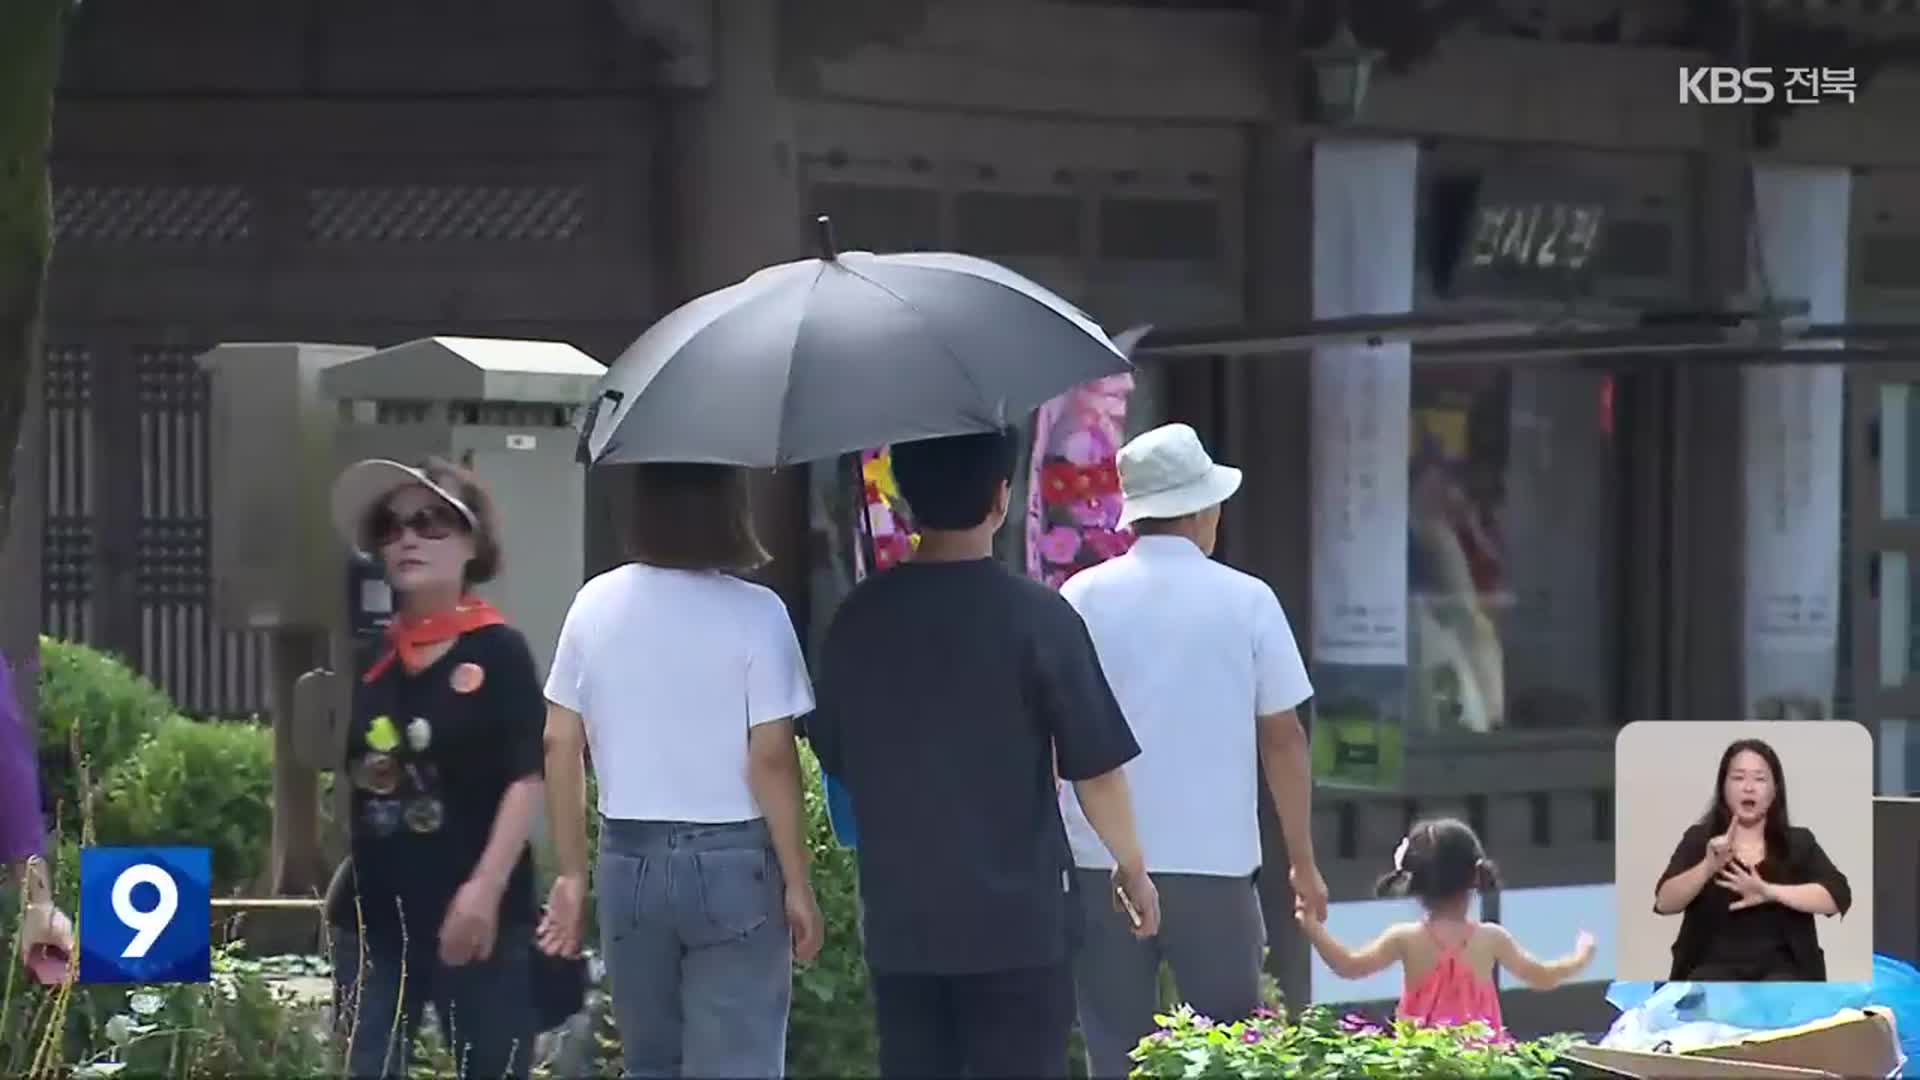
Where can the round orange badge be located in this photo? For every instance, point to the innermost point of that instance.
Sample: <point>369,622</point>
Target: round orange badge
<point>467,678</point>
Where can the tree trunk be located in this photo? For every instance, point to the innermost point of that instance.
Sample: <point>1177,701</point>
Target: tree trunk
<point>29,62</point>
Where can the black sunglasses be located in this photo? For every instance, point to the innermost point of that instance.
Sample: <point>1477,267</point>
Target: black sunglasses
<point>427,523</point>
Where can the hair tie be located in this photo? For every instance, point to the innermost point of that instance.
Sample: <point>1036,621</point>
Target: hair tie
<point>1400,855</point>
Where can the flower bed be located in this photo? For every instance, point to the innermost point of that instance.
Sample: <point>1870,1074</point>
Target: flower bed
<point>1319,1044</point>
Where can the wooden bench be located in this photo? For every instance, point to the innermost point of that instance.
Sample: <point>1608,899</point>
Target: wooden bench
<point>270,926</point>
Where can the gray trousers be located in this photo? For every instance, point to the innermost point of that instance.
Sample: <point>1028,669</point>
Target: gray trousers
<point>1211,934</point>
<point>693,925</point>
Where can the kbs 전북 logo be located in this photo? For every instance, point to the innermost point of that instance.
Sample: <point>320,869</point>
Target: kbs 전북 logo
<point>1764,85</point>
<point>145,914</point>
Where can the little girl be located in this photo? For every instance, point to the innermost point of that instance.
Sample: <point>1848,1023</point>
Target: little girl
<point>1448,959</point>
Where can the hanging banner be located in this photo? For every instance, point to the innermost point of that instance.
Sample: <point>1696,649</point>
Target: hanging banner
<point>1795,421</point>
<point>1073,492</point>
<point>1364,202</point>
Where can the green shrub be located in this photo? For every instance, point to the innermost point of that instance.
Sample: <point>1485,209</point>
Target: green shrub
<point>1320,1046</point>
<point>201,783</point>
<point>830,1030</point>
<point>89,694</point>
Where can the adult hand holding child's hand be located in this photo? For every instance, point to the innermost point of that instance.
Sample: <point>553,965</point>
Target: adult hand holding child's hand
<point>1305,915</point>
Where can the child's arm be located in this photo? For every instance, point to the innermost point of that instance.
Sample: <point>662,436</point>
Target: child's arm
<point>1539,974</point>
<point>1376,956</point>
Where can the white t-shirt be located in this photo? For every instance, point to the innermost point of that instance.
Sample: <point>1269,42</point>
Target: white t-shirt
<point>670,668</point>
<point>1195,652</point>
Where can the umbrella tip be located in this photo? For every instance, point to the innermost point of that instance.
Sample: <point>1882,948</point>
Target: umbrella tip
<point>828,249</point>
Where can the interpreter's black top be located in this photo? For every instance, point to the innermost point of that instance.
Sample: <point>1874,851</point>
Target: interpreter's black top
<point>1768,935</point>
<point>430,755</point>
<point>944,691</point>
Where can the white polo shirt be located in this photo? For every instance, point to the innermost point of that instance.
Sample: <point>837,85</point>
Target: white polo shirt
<point>1195,651</point>
<point>669,668</point>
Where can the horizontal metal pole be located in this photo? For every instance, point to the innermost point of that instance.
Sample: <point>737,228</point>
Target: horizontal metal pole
<point>1592,332</point>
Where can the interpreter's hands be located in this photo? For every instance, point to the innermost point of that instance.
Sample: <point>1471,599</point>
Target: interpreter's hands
<point>804,920</point>
<point>472,923</point>
<point>1748,888</point>
<point>1309,890</point>
<point>1720,850</point>
<point>46,943</point>
<point>1136,897</point>
<point>561,926</point>
<point>1583,948</point>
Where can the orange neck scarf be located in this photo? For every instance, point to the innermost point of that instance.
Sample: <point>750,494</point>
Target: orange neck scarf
<point>409,638</point>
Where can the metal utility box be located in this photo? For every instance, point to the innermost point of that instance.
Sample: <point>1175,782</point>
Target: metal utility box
<point>506,410</point>
<point>271,445</point>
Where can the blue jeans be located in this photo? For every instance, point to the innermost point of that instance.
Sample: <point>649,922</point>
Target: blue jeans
<point>694,929</point>
<point>485,1009</point>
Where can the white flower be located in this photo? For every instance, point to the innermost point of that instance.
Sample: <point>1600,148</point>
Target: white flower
<point>120,1029</point>
<point>102,1068</point>
<point>146,1003</point>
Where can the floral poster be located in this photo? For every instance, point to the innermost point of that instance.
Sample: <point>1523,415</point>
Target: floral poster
<point>886,515</point>
<point>1073,494</point>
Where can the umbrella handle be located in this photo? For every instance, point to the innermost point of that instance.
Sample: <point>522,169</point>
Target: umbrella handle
<point>583,453</point>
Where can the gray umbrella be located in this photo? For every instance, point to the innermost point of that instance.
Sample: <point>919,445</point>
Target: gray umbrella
<point>813,359</point>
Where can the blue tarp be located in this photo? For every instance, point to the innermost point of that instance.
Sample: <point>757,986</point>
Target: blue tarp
<point>1771,1006</point>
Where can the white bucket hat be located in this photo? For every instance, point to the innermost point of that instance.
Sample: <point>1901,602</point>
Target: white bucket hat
<point>366,484</point>
<point>1166,473</point>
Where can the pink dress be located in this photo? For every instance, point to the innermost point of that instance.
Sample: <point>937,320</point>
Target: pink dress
<point>1452,993</point>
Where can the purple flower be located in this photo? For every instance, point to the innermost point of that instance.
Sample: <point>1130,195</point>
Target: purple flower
<point>1088,446</point>
<point>1108,544</point>
<point>1101,511</point>
<point>1251,1035</point>
<point>1359,1025</point>
<point>1202,1023</point>
<point>1264,1013</point>
<point>1161,1036</point>
<point>1059,544</point>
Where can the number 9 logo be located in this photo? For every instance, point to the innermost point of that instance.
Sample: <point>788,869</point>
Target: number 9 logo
<point>147,925</point>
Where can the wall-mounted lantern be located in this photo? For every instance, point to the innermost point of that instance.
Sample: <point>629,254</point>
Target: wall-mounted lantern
<point>1341,70</point>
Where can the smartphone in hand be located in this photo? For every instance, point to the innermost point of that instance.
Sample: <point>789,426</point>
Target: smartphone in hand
<point>1126,904</point>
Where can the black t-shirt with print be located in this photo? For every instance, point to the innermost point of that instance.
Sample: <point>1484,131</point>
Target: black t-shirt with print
<point>430,755</point>
<point>945,692</point>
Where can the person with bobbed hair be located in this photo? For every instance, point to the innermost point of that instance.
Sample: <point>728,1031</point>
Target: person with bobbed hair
<point>683,682</point>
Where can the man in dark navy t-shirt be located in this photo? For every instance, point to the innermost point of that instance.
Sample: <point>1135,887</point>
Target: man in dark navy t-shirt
<point>949,691</point>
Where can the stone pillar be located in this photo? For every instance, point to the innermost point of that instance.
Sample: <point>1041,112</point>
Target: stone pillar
<point>736,207</point>
<point>1702,508</point>
<point>1264,424</point>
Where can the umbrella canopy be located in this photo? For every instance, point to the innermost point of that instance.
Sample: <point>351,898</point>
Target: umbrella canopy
<point>813,359</point>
